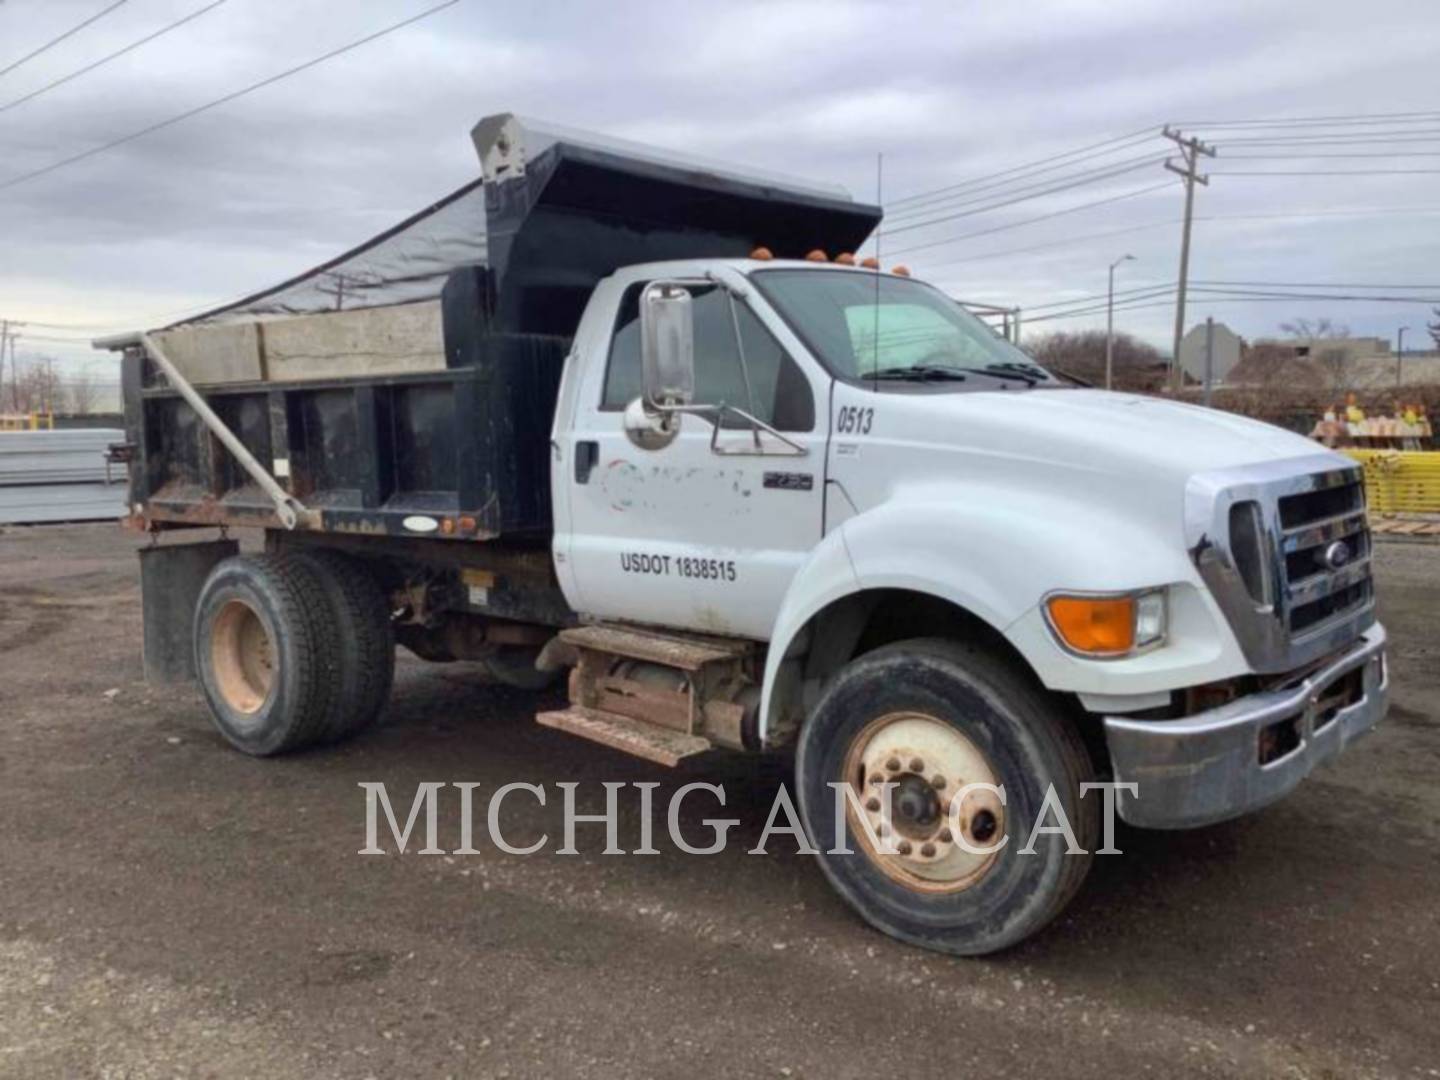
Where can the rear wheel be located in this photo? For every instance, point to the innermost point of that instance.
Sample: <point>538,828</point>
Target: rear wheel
<point>265,660</point>
<point>941,726</point>
<point>359,619</point>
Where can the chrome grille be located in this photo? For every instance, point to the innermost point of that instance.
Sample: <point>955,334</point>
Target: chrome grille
<point>1327,521</point>
<point>1285,550</point>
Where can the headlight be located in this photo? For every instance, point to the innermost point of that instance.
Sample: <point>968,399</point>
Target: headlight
<point>1109,625</point>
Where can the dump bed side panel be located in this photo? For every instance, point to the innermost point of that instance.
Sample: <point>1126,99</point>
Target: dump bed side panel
<point>461,454</point>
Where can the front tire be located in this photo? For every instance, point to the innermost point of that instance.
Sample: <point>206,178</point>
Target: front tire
<point>930,717</point>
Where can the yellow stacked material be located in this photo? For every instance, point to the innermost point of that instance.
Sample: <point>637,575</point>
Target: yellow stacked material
<point>1401,481</point>
<point>32,421</point>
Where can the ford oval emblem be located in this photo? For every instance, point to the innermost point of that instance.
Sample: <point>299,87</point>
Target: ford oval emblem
<point>1336,555</point>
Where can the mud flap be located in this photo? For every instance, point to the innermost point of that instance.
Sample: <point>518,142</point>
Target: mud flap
<point>170,582</point>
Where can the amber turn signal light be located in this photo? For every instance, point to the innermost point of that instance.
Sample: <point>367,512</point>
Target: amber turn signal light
<point>1094,625</point>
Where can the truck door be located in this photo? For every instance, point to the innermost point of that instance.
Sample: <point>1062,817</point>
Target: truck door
<point>681,535</point>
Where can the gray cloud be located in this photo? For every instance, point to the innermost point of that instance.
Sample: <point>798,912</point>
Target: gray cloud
<point>253,191</point>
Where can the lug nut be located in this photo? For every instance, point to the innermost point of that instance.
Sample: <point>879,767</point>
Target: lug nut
<point>904,847</point>
<point>983,826</point>
<point>893,764</point>
<point>937,782</point>
<point>916,765</point>
<point>872,805</point>
<point>944,836</point>
<point>928,850</point>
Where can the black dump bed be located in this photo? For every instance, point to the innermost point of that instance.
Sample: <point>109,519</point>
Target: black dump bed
<point>460,450</point>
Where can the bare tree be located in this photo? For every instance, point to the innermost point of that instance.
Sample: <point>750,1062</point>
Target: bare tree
<point>36,387</point>
<point>1434,328</point>
<point>1332,361</point>
<point>1321,329</point>
<point>82,392</point>
<point>1138,366</point>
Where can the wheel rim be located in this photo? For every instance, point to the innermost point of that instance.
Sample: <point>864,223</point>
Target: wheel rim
<point>931,764</point>
<point>242,657</point>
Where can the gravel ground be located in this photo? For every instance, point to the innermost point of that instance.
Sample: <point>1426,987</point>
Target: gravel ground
<point>169,907</point>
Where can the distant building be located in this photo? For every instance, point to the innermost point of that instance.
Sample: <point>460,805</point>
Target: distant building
<point>1336,364</point>
<point>1227,348</point>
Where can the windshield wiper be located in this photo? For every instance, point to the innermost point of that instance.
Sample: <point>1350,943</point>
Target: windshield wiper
<point>1019,374</point>
<point>919,373</point>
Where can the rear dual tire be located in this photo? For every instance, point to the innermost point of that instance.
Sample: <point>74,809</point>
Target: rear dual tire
<point>292,651</point>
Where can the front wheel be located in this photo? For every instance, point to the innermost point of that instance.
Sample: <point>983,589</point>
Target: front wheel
<point>948,753</point>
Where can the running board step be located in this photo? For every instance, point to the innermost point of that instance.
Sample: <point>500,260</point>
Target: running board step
<point>688,652</point>
<point>660,745</point>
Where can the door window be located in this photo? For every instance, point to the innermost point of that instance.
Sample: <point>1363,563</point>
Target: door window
<point>782,395</point>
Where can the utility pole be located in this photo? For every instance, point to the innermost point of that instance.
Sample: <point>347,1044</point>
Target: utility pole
<point>1110,323</point>
<point>1209,357</point>
<point>1190,151</point>
<point>1399,354</point>
<point>8,336</point>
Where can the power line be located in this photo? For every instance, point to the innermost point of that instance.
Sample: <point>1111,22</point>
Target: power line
<point>189,113</point>
<point>1222,296</point>
<point>1301,121</point>
<point>1132,293</point>
<point>1054,243</point>
<point>1346,138</point>
<point>969,196</point>
<point>56,41</point>
<point>1066,241</point>
<point>1133,138</point>
<point>1313,285</point>
<point>1300,155</point>
<point>1024,174</point>
<point>1357,211</point>
<point>1326,172</point>
<point>113,56</point>
<point>1099,172</point>
<point>1039,217</point>
<point>1092,178</point>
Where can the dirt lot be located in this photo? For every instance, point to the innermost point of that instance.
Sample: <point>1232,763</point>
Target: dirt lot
<point>170,907</point>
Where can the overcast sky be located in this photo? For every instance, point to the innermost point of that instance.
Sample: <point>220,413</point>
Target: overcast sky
<point>271,184</point>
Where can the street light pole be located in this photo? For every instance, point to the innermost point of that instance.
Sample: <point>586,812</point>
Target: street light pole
<point>1110,323</point>
<point>1399,354</point>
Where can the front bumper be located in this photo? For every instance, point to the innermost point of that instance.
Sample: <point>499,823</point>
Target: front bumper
<point>1208,767</point>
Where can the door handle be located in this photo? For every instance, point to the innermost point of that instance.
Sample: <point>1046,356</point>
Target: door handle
<point>587,454</point>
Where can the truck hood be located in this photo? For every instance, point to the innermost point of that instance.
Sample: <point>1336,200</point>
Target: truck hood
<point>1097,431</point>
<point>1132,456</point>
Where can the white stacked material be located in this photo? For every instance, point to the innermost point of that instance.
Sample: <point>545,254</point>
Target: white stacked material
<point>58,476</point>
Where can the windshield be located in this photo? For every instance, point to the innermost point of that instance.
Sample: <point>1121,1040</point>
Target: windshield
<point>880,327</point>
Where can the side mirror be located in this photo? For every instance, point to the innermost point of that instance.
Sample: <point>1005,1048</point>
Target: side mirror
<point>667,344</point>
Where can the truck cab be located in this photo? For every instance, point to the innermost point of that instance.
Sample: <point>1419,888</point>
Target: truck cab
<point>763,503</point>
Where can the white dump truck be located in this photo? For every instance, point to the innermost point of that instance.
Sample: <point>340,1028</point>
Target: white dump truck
<point>619,413</point>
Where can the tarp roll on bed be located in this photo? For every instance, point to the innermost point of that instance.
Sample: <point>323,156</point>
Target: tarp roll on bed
<point>555,211</point>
